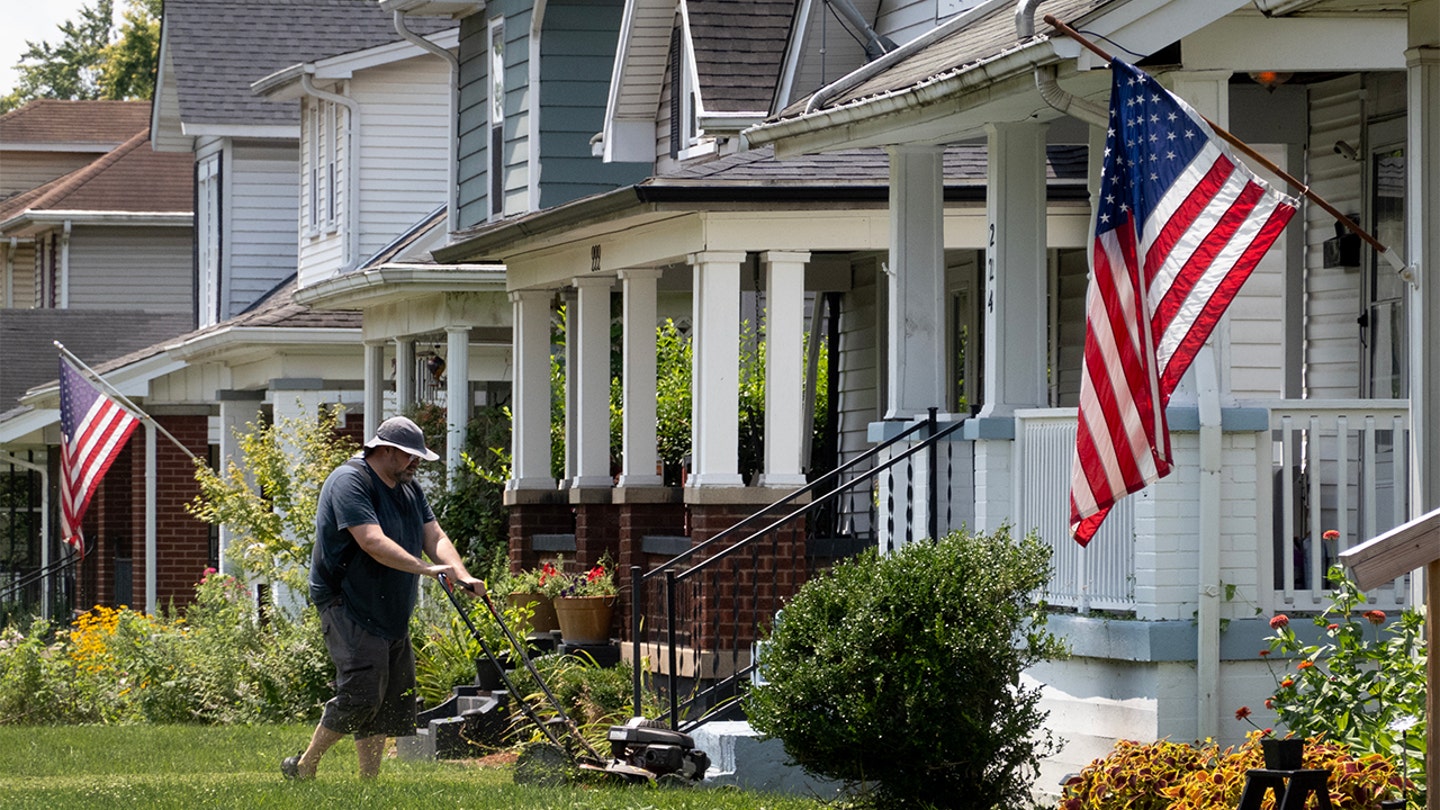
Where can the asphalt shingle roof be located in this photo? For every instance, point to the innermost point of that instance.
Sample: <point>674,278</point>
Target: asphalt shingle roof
<point>93,335</point>
<point>132,178</point>
<point>218,47</point>
<point>739,45</point>
<point>964,165</point>
<point>50,121</point>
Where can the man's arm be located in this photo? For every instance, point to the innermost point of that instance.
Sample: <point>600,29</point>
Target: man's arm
<point>439,549</point>
<point>377,544</point>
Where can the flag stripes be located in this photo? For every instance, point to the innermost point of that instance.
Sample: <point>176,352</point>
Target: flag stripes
<point>93,431</point>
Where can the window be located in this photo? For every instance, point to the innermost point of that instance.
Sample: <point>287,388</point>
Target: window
<point>1385,350</point>
<point>497,117</point>
<point>207,240</point>
<point>324,125</point>
<point>684,121</point>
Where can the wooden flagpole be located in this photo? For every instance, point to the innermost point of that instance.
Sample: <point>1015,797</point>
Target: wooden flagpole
<point>1395,262</point>
<point>124,400</point>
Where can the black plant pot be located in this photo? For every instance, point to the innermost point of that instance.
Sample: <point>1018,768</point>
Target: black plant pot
<point>1285,754</point>
<point>487,677</point>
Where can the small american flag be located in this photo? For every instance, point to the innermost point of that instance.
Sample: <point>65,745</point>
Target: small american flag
<point>1179,225</point>
<point>93,430</point>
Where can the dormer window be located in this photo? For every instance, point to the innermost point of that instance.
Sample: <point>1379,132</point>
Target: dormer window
<point>684,101</point>
<point>207,239</point>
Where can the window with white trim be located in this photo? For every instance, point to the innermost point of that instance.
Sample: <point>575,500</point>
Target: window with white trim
<point>207,240</point>
<point>324,124</point>
<point>496,143</point>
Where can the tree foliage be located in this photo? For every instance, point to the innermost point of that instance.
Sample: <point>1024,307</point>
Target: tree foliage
<point>269,498</point>
<point>92,60</point>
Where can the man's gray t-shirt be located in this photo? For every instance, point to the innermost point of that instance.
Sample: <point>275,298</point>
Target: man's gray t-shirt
<point>377,596</point>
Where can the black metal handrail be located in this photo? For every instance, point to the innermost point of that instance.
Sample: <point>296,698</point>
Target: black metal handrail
<point>680,569</point>
<point>27,580</point>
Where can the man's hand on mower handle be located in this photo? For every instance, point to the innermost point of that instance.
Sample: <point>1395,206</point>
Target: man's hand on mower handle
<point>446,575</point>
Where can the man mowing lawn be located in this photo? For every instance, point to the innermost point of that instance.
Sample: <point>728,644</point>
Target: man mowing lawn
<point>371,525</point>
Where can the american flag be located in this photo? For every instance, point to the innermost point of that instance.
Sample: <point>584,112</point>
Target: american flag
<point>93,430</point>
<point>1179,225</point>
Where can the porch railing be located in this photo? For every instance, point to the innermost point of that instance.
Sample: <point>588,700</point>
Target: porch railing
<point>698,617</point>
<point>1336,466</point>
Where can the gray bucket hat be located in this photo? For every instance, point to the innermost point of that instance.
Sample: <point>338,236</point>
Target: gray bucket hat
<point>398,431</point>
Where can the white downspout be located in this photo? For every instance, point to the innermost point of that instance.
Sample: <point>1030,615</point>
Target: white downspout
<point>352,163</point>
<point>1207,648</point>
<point>1050,90</point>
<point>64,296</point>
<point>452,203</point>
<point>9,292</point>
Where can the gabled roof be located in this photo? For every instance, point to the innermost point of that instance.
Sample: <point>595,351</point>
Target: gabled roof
<point>211,51</point>
<point>739,46</point>
<point>53,125</point>
<point>131,179</point>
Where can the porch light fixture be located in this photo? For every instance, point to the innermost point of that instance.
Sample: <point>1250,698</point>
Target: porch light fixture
<point>1270,79</point>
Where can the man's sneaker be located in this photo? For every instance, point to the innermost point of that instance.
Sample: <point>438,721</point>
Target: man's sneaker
<point>290,767</point>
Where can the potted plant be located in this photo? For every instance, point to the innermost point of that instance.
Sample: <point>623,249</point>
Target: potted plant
<point>585,604</point>
<point>538,588</point>
<point>1280,753</point>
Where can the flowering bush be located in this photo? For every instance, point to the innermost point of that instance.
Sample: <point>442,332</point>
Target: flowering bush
<point>598,580</point>
<point>547,580</point>
<point>1362,683</point>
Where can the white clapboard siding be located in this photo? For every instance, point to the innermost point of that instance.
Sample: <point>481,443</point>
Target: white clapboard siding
<point>860,383</point>
<point>404,146</point>
<point>21,265</point>
<point>1068,331</point>
<point>321,250</point>
<point>1332,296</point>
<point>1255,324</point>
<point>814,69</point>
<point>905,20</point>
<point>141,268</point>
<point>263,212</point>
<point>195,384</point>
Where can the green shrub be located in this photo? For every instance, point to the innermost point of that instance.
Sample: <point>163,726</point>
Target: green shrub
<point>899,674</point>
<point>1362,683</point>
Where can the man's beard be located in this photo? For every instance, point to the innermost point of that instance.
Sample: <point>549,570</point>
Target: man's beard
<point>406,474</point>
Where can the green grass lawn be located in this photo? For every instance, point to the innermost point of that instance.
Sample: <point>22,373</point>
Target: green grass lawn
<point>135,767</point>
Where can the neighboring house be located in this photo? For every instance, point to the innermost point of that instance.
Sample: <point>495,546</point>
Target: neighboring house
<point>47,138</point>
<point>1313,409</point>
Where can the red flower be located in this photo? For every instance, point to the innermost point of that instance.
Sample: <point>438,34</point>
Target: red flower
<point>1304,665</point>
<point>1288,682</point>
<point>1242,713</point>
<point>1264,653</point>
<point>1279,620</point>
<point>1332,626</point>
<point>1330,534</point>
<point>1270,702</point>
<point>595,573</point>
<point>1375,617</point>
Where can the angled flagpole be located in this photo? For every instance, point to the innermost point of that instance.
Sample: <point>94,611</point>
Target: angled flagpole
<point>1391,258</point>
<point>124,400</point>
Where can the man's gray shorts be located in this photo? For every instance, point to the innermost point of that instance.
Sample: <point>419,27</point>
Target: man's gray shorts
<point>374,679</point>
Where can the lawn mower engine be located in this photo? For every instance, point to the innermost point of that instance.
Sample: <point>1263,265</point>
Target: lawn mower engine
<point>651,746</point>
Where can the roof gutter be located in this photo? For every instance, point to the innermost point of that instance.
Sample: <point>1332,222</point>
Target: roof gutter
<point>1045,80</point>
<point>451,204</point>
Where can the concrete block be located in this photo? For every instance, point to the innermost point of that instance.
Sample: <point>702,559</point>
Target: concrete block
<point>739,756</point>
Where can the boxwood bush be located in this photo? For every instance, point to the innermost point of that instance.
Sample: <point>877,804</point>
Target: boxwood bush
<point>899,674</point>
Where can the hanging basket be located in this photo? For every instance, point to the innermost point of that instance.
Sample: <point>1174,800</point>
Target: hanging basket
<point>585,619</point>
<point>543,619</point>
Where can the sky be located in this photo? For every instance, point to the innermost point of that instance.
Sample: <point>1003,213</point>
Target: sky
<point>35,21</point>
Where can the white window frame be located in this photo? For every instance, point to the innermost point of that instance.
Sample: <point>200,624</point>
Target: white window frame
<point>208,241</point>
<point>324,124</point>
<point>495,113</point>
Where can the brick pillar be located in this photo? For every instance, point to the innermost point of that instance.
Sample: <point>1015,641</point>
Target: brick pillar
<point>636,521</point>
<point>547,516</point>
<point>182,543</point>
<point>743,592</point>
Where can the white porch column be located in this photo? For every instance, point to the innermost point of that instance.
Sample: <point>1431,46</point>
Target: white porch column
<point>637,423</point>
<point>404,374</point>
<point>530,431</point>
<point>916,314</point>
<point>589,378</point>
<point>374,387</point>
<point>1015,270</point>
<point>457,398</point>
<point>237,408</point>
<point>293,400</point>
<point>785,435</point>
<point>715,390</point>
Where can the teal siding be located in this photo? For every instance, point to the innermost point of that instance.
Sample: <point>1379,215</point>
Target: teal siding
<point>578,53</point>
<point>470,174</point>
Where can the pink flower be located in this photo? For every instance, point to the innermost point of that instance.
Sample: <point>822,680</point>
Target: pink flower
<point>1375,617</point>
<point>1330,534</point>
<point>1279,620</point>
<point>209,571</point>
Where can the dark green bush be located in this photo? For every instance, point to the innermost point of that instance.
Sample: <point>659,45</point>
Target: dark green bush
<point>899,674</point>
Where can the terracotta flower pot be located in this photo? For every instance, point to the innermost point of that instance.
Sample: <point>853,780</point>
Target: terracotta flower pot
<point>543,620</point>
<point>585,619</point>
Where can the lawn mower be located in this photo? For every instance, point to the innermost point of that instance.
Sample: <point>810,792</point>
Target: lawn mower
<point>640,750</point>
